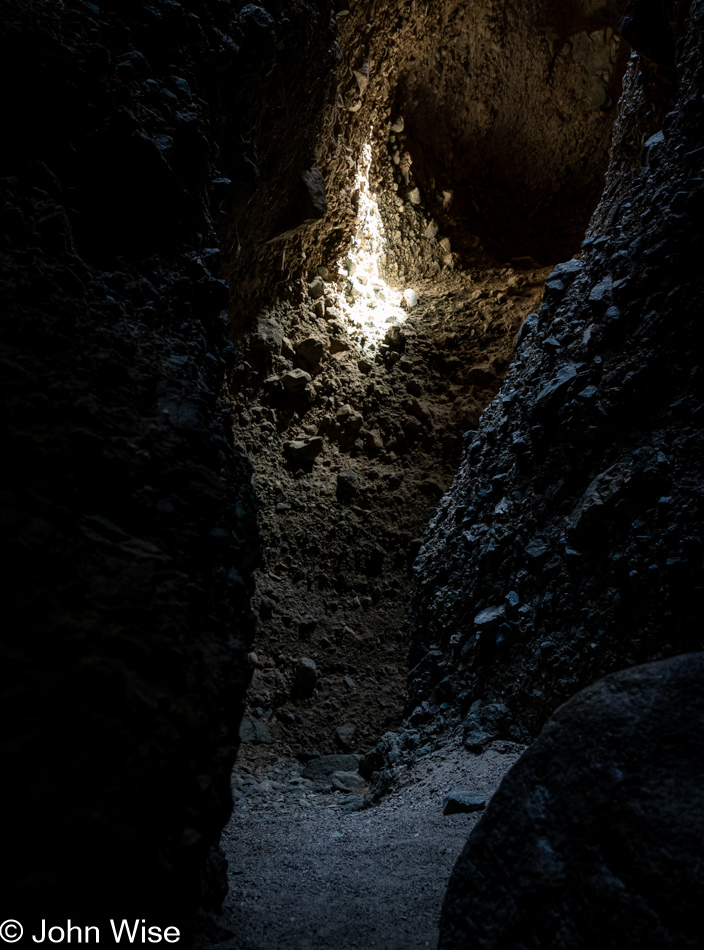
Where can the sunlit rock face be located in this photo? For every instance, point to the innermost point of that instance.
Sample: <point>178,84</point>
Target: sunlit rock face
<point>488,123</point>
<point>570,544</point>
<point>480,124</point>
<point>511,114</point>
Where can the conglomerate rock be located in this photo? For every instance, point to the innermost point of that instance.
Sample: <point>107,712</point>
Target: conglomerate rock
<point>570,544</point>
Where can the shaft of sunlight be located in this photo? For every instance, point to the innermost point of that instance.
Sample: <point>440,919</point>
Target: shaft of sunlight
<point>369,301</point>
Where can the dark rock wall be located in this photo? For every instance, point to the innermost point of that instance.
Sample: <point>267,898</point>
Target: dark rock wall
<point>570,544</point>
<point>593,837</point>
<point>128,520</point>
<point>270,107</point>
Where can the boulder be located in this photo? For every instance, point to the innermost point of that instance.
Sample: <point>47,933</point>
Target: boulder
<point>348,782</point>
<point>310,351</point>
<point>295,380</point>
<point>316,288</point>
<point>410,298</point>
<point>349,420</point>
<point>396,339</point>
<point>594,836</point>
<point>252,730</point>
<point>307,204</point>
<point>347,484</point>
<point>481,375</point>
<point>484,721</point>
<point>269,335</point>
<point>345,735</point>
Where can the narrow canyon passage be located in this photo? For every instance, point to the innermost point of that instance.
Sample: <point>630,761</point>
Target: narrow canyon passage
<point>342,515</point>
<point>355,400</point>
<point>352,505</point>
<point>355,390</point>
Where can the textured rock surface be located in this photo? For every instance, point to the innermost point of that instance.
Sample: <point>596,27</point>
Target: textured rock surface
<point>128,519</point>
<point>472,124</point>
<point>349,470</point>
<point>490,121</point>
<point>593,838</point>
<point>570,544</point>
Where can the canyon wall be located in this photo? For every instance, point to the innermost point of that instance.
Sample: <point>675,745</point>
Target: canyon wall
<point>129,521</point>
<point>570,544</point>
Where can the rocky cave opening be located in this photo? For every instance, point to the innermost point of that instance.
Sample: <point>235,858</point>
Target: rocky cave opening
<point>353,415</point>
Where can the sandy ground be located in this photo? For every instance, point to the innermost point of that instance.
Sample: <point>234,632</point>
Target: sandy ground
<point>372,879</point>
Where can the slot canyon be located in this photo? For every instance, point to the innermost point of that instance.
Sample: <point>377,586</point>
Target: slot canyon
<point>352,483</point>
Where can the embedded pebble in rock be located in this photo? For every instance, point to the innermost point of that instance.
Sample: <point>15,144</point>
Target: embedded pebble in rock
<point>304,450</point>
<point>316,288</point>
<point>345,734</point>
<point>311,351</point>
<point>348,782</point>
<point>396,339</point>
<point>251,730</point>
<point>306,677</point>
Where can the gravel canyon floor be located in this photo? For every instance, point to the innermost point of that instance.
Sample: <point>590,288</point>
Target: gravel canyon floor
<point>307,873</point>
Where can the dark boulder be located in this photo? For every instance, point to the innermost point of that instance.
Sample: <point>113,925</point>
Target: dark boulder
<point>594,837</point>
